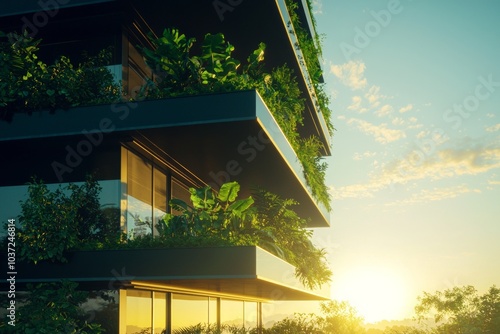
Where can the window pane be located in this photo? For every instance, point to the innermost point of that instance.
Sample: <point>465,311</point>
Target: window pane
<point>231,312</point>
<point>188,311</point>
<point>251,315</point>
<point>139,196</point>
<point>138,311</point>
<point>212,311</point>
<point>180,191</point>
<point>160,312</point>
<point>101,308</point>
<point>160,200</point>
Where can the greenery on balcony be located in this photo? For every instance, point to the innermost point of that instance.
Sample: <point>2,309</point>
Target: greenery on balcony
<point>53,222</point>
<point>29,85</point>
<point>310,44</point>
<point>178,71</point>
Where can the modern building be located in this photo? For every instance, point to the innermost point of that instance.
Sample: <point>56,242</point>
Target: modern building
<point>146,152</point>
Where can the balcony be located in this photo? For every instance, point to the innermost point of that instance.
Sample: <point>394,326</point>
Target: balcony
<point>239,272</point>
<point>216,137</point>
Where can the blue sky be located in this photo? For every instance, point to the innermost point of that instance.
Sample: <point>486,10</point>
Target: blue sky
<point>415,168</point>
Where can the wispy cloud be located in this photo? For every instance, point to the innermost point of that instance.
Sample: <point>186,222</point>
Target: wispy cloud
<point>373,96</point>
<point>435,194</point>
<point>384,110</point>
<point>355,103</point>
<point>381,133</point>
<point>367,154</point>
<point>474,159</point>
<point>350,74</point>
<point>493,128</point>
<point>406,108</point>
<point>397,121</point>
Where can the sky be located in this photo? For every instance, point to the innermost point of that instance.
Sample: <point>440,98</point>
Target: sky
<point>415,167</point>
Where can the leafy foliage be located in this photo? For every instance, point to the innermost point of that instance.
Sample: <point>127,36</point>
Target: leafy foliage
<point>340,317</point>
<point>54,308</point>
<point>214,329</point>
<point>300,323</point>
<point>314,168</point>
<point>282,232</point>
<point>28,84</point>
<point>462,310</point>
<point>179,72</point>
<point>55,221</point>
<point>336,317</point>
<point>311,50</point>
<point>404,330</point>
<point>211,217</point>
<point>222,219</point>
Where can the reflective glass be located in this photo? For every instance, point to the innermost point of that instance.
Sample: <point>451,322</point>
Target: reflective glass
<point>139,311</point>
<point>188,311</point>
<point>139,196</point>
<point>231,312</point>
<point>160,312</point>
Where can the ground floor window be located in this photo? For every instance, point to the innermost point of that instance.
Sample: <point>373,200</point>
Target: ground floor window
<point>152,312</point>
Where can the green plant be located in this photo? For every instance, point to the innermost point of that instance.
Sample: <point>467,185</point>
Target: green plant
<point>215,70</point>
<point>282,232</point>
<point>28,84</point>
<point>179,72</point>
<point>220,216</point>
<point>300,323</point>
<point>314,168</point>
<point>66,218</point>
<point>54,308</point>
<point>311,51</point>
<point>461,310</point>
<point>222,219</point>
<point>214,329</point>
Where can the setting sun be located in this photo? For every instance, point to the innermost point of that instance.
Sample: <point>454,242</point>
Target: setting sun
<point>376,292</point>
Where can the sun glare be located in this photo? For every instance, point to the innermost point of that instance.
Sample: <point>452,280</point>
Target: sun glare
<point>377,293</point>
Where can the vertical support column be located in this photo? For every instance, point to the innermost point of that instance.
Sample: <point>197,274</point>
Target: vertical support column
<point>169,313</point>
<point>218,313</point>
<point>259,317</point>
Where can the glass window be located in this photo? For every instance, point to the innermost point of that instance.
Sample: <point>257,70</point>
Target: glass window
<point>139,311</point>
<point>251,315</point>
<point>160,312</point>
<point>139,196</point>
<point>231,312</point>
<point>181,192</point>
<point>102,308</point>
<point>212,310</point>
<point>160,198</point>
<point>188,311</point>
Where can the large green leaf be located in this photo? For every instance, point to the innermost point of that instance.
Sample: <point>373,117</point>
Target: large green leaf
<point>240,206</point>
<point>229,191</point>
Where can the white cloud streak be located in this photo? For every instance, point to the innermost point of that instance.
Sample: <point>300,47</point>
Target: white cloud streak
<point>350,74</point>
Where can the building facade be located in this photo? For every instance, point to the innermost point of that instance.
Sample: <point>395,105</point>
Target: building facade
<point>144,153</point>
